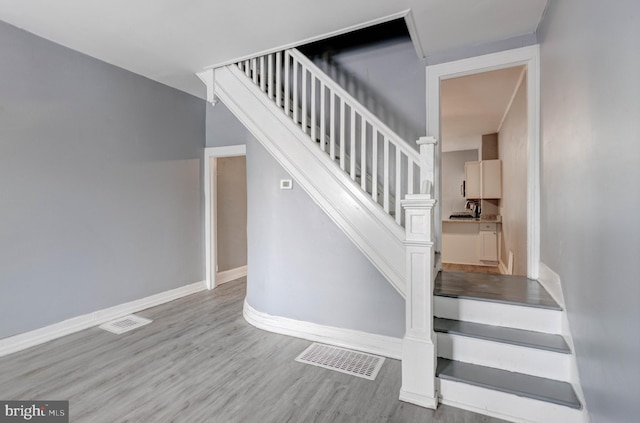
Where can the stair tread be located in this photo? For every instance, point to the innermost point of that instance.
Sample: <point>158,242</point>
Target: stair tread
<point>506,289</point>
<point>519,384</point>
<point>525,338</point>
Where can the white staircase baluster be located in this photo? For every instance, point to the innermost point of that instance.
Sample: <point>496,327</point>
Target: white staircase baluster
<point>304,98</point>
<point>343,133</point>
<point>410,177</point>
<point>254,70</point>
<point>295,92</point>
<point>363,153</point>
<point>263,79</point>
<point>385,184</point>
<point>278,79</point>
<point>313,109</point>
<point>352,144</point>
<point>332,126</point>
<point>270,76</point>
<point>287,84</point>
<point>323,117</point>
<point>398,195</point>
<point>247,68</point>
<point>374,164</point>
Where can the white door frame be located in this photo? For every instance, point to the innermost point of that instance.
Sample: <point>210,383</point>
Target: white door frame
<point>529,56</point>
<point>210,206</point>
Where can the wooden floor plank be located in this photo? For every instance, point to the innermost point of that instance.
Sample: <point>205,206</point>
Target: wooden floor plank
<point>199,361</point>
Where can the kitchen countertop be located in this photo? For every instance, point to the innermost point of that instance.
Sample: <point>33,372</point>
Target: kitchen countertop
<point>480,220</point>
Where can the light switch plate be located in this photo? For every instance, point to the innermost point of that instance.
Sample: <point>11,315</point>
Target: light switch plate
<point>286,184</point>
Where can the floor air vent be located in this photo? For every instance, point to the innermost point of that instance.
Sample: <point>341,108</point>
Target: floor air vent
<point>125,324</point>
<point>342,360</point>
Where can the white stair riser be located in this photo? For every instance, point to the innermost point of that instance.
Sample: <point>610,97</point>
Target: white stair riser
<point>506,406</point>
<point>514,358</point>
<point>372,230</point>
<point>498,314</point>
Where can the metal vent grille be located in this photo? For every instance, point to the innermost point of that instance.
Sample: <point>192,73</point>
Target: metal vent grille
<point>125,324</point>
<point>342,360</point>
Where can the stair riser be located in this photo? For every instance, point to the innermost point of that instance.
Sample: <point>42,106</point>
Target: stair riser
<point>498,314</point>
<point>513,358</point>
<point>506,406</point>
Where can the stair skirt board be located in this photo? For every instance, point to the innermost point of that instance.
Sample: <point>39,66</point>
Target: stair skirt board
<point>513,358</point>
<point>385,346</point>
<point>360,218</point>
<point>506,406</point>
<point>497,314</point>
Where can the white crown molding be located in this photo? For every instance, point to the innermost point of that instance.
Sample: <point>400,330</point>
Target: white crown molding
<point>57,330</point>
<point>347,338</point>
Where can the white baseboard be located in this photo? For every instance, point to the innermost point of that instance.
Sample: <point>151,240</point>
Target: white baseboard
<point>502,268</point>
<point>420,400</point>
<point>231,275</point>
<point>66,327</point>
<point>347,338</point>
<point>551,282</point>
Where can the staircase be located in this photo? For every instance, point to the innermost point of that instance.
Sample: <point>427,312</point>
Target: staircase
<point>506,360</point>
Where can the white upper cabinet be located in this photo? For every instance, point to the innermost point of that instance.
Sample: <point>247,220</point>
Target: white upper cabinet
<point>483,179</point>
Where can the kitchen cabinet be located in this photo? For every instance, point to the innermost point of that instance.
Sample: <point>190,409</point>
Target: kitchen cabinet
<point>483,179</point>
<point>473,242</point>
<point>488,242</point>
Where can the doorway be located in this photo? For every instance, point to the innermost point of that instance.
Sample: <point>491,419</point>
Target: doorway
<point>225,214</point>
<point>484,126</point>
<point>528,58</point>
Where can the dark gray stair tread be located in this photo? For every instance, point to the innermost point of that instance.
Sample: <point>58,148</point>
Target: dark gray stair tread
<point>519,384</point>
<point>524,338</point>
<point>506,289</point>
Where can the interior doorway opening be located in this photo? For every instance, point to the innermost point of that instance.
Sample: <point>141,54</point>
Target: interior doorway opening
<point>225,214</point>
<point>527,58</point>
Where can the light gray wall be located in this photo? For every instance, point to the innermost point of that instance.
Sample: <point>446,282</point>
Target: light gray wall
<point>231,197</point>
<point>512,149</point>
<point>387,78</point>
<point>302,266</point>
<point>452,177</point>
<point>99,184</point>
<point>590,195</point>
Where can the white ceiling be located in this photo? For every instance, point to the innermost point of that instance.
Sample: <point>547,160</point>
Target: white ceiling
<point>475,105</point>
<point>170,40</point>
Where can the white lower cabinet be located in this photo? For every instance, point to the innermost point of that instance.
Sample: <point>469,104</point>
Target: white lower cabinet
<point>488,245</point>
<point>475,243</point>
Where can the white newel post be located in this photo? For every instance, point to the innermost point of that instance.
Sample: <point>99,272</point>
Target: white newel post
<point>419,343</point>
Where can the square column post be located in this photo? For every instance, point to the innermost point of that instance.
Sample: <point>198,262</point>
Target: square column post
<point>419,343</point>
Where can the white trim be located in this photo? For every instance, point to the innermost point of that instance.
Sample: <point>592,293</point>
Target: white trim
<point>506,406</point>
<point>413,34</point>
<point>347,338</point>
<point>551,282</point>
<point>76,324</point>
<point>529,56</point>
<point>230,275</point>
<point>324,36</point>
<point>502,267</point>
<point>417,399</point>
<point>210,201</point>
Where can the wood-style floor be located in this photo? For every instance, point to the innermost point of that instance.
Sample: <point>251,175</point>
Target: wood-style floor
<point>471,268</point>
<point>199,361</point>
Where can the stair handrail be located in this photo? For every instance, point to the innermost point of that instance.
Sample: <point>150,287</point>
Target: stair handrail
<point>353,102</point>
